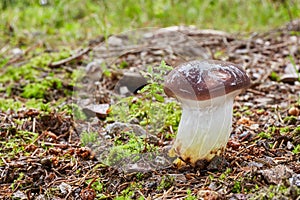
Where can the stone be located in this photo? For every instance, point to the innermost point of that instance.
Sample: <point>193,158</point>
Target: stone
<point>99,110</point>
<point>130,83</point>
<point>276,174</point>
<point>291,73</point>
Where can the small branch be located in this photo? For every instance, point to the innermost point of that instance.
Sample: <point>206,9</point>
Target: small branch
<point>73,57</point>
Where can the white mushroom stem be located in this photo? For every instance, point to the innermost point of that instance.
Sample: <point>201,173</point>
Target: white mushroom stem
<point>204,127</point>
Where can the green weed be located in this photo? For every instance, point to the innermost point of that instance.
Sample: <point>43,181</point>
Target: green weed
<point>131,147</point>
<point>21,177</point>
<point>290,120</point>
<point>274,76</point>
<point>190,196</point>
<point>264,135</point>
<point>166,182</point>
<point>129,192</point>
<point>40,90</point>
<point>15,143</point>
<point>149,107</point>
<point>224,175</point>
<point>296,131</point>
<point>96,185</point>
<point>237,187</point>
<point>284,130</point>
<point>297,149</point>
<point>33,79</point>
<point>9,104</point>
<point>87,138</point>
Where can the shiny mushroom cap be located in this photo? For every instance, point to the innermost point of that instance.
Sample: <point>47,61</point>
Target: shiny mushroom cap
<point>205,79</point>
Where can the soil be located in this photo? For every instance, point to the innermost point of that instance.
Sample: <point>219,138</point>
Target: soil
<point>57,166</point>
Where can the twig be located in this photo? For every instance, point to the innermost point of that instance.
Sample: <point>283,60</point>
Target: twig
<point>141,194</point>
<point>59,145</point>
<point>4,161</point>
<point>33,125</point>
<point>73,57</point>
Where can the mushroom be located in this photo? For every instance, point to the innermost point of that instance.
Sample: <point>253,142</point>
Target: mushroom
<point>206,90</point>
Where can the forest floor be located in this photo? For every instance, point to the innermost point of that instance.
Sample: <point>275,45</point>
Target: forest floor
<point>95,124</point>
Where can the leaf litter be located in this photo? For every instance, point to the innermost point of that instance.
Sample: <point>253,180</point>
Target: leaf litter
<point>261,158</point>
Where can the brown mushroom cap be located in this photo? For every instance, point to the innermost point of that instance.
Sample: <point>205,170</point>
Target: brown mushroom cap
<point>205,79</point>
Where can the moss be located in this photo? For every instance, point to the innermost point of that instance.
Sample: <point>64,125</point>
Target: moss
<point>284,130</point>
<point>16,143</point>
<point>264,135</point>
<point>87,138</point>
<point>128,146</point>
<point>40,90</point>
<point>237,187</point>
<point>296,131</point>
<point>290,120</point>
<point>9,104</point>
<point>296,150</point>
<point>166,182</point>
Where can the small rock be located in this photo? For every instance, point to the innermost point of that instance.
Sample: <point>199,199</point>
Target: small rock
<point>117,128</point>
<point>93,70</point>
<point>65,188</point>
<point>264,101</point>
<point>213,186</point>
<point>289,145</point>
<point>158,52</point>
<point>161,160</point>
<point>178,178</point>
<point>289,78</point>
<point>19,195</point>
<point>130,83</point>
<point>40,197</point>
<point>17,52</point>
<point>259,41</point>
<point>255,164</point>
<point>267,43</point>
<point>293,39</point>
<point>99,110</point>
<point>115,41</point>
<point>254,126</point>
<point>131,57</point>
<point>218,163</point>
<point>145,162</point>
<point>238,197</point>
<point>276,174</point>
<point>291,74</point>
<point>291,69</point>
<point>295,180</point>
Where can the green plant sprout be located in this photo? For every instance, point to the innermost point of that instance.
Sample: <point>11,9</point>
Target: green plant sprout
<point>297,149</point>
<point>166,182</point>
<point>264,135</point>
<point>134,146</point>
<point>149,107</point>
<point>88,137</point>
